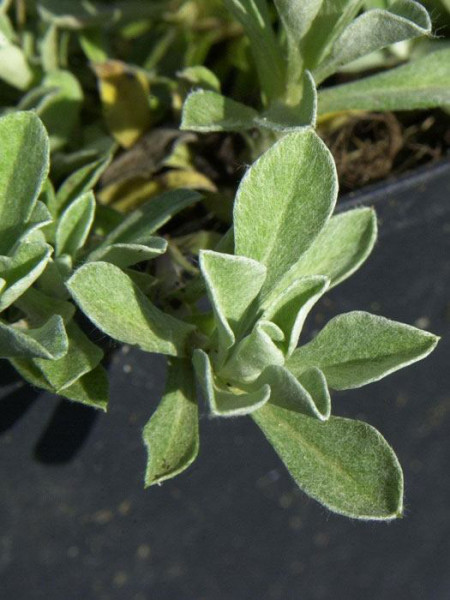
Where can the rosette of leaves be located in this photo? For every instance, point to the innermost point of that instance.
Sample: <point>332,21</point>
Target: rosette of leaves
<point>318,38</point>
<point>287,252</point>
<point>45,234</point>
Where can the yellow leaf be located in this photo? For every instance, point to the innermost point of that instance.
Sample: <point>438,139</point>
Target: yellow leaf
<point>125,95</point>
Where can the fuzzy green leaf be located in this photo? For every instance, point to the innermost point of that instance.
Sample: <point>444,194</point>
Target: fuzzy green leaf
<point>171,435</point>
<point>297,15</point>
<point>374,30</point>
<point>60,112</point>
<point>254,353</point>
<point>14,66</point>
<point>75,224</point>
<point>111,300</point>
<point>226,402</point>
<point>207,111</point>
<point>126,255</point>
<point>422,83</point>
<point>82,357</point>
<point>39,306</point>
<point>24,165</point>
<point>200,76</point>
<point>346,465</point>
<point>138,227</point>
<point>232,283</point>
<point>48,341</point>
<point>331,20</point>
<point>357,348</point>
<point>288,392</point>
<point>289,308</point>
<point>284,118</point>
<point>284,201</point>
<point>78,183</point>
<point>22,269</point>
<point>92,389</point>
<point>338,251</point>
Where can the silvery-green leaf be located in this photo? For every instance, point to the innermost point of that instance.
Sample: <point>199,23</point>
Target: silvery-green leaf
<point>75,224</point>
<point>297,15</point>
<point>289,307</point>
<point>288,392</point>
<point>48,341</point>
<point>224,402</point>
<point>232,283</point>
<point>40,217</point>
<point>284,201</point>
<point>171,435</point>
<point>338,251</point>
<point>26,141</point>
<point>357,348</point>
<point>373,30</point>
<point>14,67</point>
<point>138,226</point>
<point>254,353</point>
<point>61,112</point>
<point>207,111</point>
<point>81,357</point>
<point>92,389</point>
<point>200,76</point>
<point>111,300</point>
<point>284,118</point>
<point>254,16</point>
<point>332,18</point>
<point>22,269</point>
<point>421,83</point>
<point>39,306</point>
<point>52,280</point>
<point>345,465</point>
<point>126,255</point>
<point>79,182</point>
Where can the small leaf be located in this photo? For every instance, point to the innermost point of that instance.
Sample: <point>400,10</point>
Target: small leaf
<point>24,136</point>
<point>116,305</point>
<point>39,307</point>
<point>253,354</point>
<point>171,435</point>
<point>207,111</point>
<point>284,201</point>
<point>75,224</point>
<point>79,182</point>
<point>14,67</point>
<point>345,465</point>
<point>254,16</point>
<point>284,118</point>
<point>374,30</point>
<point>289,308</point>
<point>126,255</point>
<point>82,357</point>
<point>338,251</point>
<point>226,402</point>
<point>91,389</point>
<point>200,76</point>
<point>232,283</point>
<point>138,227</point>
<point>297,16</point>
<point>61,111</point>
<point>22,269</point>
<point>357,348</point>
<point>48,341</point>
<point>40,217</point>
<point>288,392</point>
<point>422,83</point>
<point>125,95</point>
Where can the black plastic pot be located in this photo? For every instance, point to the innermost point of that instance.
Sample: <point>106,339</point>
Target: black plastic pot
<point>77,523</point>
